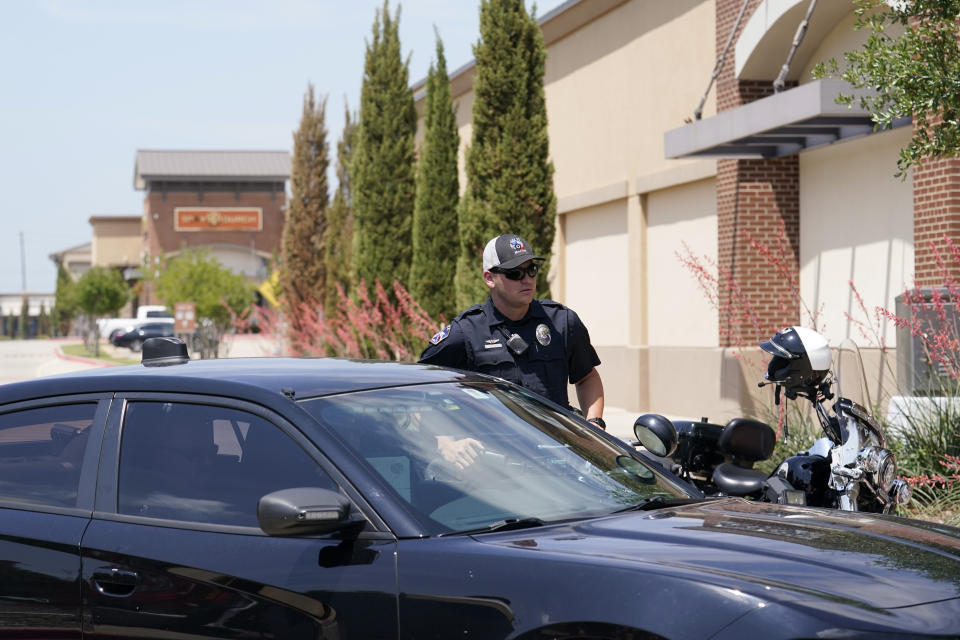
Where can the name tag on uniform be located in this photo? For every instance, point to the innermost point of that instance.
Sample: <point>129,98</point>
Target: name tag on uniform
<point>493,344</point>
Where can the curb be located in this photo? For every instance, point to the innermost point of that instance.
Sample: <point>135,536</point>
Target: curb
<point>89,361</point>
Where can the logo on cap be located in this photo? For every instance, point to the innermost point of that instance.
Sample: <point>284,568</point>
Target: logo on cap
<point>516,244</point>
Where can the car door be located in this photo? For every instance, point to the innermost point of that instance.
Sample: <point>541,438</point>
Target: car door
<point>174,549</point>
<point>48,462</point>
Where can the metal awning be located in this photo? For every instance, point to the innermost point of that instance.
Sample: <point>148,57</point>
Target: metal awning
<point>783,124</point>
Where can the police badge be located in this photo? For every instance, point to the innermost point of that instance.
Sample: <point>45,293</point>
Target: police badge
<point>543,334</point>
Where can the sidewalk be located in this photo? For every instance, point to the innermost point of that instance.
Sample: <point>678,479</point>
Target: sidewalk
<point>620,422</point>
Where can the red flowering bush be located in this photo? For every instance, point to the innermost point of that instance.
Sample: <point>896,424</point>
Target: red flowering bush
<point>930,444</point>
<point>376,326</point>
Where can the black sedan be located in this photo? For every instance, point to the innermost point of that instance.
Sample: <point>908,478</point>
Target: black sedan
<point>324,498</point>
<point>134,336</point>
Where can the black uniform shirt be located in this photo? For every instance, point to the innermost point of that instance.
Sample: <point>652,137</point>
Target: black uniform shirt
<point>558,348</point>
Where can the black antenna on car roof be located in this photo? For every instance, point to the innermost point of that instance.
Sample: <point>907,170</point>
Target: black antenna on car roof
<point>164,351</point>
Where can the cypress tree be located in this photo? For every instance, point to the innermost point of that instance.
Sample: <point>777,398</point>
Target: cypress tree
<point>438,191</point>
<point>509,174</point>
<point>24,330</point>
<point>43,321</point>
<point>65,304</point>
<point>382,173</point>
<point>304,269</point>
<point>339,236</point>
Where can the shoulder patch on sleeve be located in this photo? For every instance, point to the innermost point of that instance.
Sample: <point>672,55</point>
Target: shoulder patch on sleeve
<point>440,335</point>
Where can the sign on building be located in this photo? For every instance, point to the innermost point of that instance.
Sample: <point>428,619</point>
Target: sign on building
<point>217,219</point>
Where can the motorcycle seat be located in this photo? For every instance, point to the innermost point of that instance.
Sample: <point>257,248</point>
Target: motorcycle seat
<point>738,481</point>
<point>747,441</point>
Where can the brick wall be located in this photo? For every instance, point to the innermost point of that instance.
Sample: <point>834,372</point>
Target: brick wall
<point>936,213</point>
<point>162,237</point>
<point>730,93</point>
<point>758,199</point>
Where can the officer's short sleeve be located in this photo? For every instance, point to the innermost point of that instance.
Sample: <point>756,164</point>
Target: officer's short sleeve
<point>447,348</point>
<point>582,357</point>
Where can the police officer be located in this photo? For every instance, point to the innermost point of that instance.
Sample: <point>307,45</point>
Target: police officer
<point>539,344</point>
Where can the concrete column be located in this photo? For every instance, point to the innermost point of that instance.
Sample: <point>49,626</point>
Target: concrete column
<point>638,269</point>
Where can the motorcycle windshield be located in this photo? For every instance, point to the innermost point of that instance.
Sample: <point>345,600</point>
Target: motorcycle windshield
<point>850,376</point>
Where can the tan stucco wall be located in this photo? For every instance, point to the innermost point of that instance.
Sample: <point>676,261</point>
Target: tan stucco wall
<point>464,106</point>
<point>680,218</point>
<point>841,38</point>
<point>856,223</point>
<point>596,272</point>
<point>116,242</point>
<point>611,93</point>
<point>612,90</point>
<point>76,261</point>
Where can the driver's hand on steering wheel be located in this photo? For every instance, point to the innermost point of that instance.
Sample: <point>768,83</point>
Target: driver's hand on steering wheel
<point>460,453</point>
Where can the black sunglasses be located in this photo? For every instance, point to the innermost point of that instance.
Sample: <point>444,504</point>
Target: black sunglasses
<point>517,273</point>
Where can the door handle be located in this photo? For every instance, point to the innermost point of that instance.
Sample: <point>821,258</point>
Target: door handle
<point>114,582</point>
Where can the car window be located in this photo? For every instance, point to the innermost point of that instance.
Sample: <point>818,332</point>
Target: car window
<point>41,453</point>
<point>206,463</point>
<point>465,456</point>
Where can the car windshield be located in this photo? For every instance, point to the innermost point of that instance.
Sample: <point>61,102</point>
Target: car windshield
<point>465,457</point>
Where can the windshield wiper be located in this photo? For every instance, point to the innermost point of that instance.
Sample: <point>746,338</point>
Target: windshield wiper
<point>510,524</point>
<point>658,502</point>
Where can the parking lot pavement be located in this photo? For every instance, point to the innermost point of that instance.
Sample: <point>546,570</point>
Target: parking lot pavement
<point>248,345</point>
<point>231,346</point>
<point>620,422</point>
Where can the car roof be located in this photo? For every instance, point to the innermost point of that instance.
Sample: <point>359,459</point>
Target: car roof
<point>239,377</point>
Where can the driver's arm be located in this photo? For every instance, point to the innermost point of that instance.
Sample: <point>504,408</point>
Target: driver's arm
<point>460,453</point>
<point>437,430</point>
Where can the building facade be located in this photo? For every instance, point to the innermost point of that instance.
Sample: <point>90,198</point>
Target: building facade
<point>25,314</point>
<point>229,203</point>
<point>660,164</point>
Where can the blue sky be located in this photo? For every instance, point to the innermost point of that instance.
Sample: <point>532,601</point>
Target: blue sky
<point>85,83</point>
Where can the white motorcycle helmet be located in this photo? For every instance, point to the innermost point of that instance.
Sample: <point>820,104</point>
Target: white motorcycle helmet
<point>801,360</point>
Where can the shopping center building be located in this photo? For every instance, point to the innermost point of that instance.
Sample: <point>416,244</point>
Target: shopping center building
<point>230,203</point>
<point>643,179</point>
<point>657,160</point>
<point>227,203</point>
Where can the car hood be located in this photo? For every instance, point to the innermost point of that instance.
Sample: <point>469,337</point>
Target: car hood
<point>771,551</point>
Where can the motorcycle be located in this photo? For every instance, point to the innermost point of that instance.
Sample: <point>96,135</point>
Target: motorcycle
<point>849,468</point>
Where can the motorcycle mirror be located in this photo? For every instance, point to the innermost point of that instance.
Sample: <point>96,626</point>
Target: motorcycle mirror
<point>656,433</point>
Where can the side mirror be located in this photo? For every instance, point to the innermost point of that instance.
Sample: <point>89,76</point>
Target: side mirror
<point>304,511</point>
<point>656,433</point>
